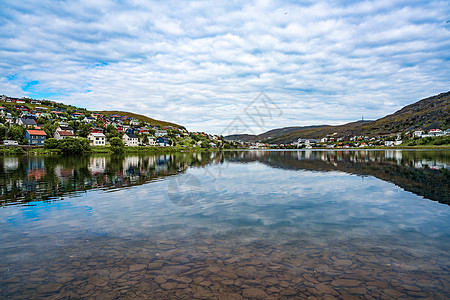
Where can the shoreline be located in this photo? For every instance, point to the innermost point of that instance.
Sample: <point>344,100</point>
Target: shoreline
<point>26,150</point>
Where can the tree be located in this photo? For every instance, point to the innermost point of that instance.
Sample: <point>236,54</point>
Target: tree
<point>116,144</point>
<point>205,144</point>
<point>111,131</point>
<point>50,128</point>
<point>75,125</point>
<point>73,145</point>
<point>51,143</point>
<point>3,131</point>
<point>17,133</point>
<point>99,123</point>
<point>84,129</point>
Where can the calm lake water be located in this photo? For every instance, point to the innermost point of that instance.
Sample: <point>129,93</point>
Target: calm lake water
<point>232,225</point>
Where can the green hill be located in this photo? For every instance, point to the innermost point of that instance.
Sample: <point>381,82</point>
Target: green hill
<point>429,113</point>
<point>140,118</point>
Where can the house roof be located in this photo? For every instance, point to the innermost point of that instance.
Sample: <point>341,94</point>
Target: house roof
<point>96,134</point>
<point>28,121</point>
<point>132,135</point>
<point>65,133</point>
<point>36,132</point>
<point>66,128</point>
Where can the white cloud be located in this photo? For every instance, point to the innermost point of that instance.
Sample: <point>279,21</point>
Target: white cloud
<point>200,65</point>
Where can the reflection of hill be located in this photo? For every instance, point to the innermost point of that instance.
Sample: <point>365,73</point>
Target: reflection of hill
<point>24,179</point>
<point>27,179</point>
<point>431,179</point>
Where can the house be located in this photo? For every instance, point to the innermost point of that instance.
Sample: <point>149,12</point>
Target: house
<point>130,130</point>
<point>160,133</point>
<point>435,132</point>
<point>307,142</point>
<point>65,128</point>
<point>96,115</point>
<point>89,120</point>
<point>26,122</point>
<point>418,133</point>
<point>447,132</point>
<point>35,137</point>
<point>96,130</point>
<point>130,139</point>
<point>151,141</point>
<point>144,130</point>
<point>392,143</point>
<point>10,143</point>
<point>97,139</point>
<point>162,141</point>
<point>61,134</point>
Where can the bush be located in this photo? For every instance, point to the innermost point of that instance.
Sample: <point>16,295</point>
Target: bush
<point>116,144</point>
<point>51,143</point>
<point>73,145</point>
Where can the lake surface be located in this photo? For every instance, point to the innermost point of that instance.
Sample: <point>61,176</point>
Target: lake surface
<point>231,225</point>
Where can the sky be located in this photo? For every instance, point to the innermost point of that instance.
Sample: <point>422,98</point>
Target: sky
<point>228,66</point>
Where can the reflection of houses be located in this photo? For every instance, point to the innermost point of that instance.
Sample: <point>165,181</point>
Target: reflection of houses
<point>36,168</point>
<point>162,162</point>
<point>97,165</point>
<point>10,163</point>
<point>63,173</point>
<point>131,165</point>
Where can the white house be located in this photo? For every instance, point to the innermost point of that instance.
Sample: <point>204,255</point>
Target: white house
<point>62,127</point>
<point>436,132</point>
<point>418,133</point>
<point>130,139</point>
<point>307,142</point>
<point>159,133</point>
<point>61,134</point>
<point>97,139</point>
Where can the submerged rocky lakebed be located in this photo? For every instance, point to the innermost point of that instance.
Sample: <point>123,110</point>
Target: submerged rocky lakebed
<point>231,225</point>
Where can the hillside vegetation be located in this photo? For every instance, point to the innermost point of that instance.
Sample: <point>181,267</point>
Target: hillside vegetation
<point>429,113</point>
<point>140,118</point>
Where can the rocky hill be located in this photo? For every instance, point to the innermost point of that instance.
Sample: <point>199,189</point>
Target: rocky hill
<point>429,113</point>
<point>140,118</point>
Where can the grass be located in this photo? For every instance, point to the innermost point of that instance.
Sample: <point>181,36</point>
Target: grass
<point>139,117</point>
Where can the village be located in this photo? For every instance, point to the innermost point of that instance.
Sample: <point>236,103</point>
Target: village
<point>408,138</point>
<point>31,122</point>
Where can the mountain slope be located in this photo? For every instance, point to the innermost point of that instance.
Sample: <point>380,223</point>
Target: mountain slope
<point>140,118</point>
<point>429,113</point>
<point>432,112</point>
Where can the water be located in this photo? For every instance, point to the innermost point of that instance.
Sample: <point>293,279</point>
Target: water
<point>256,224</point>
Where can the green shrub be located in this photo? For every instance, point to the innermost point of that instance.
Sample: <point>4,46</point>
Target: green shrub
<point>51,143</point>
<point>116,144</point>
<point>73,145</point>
